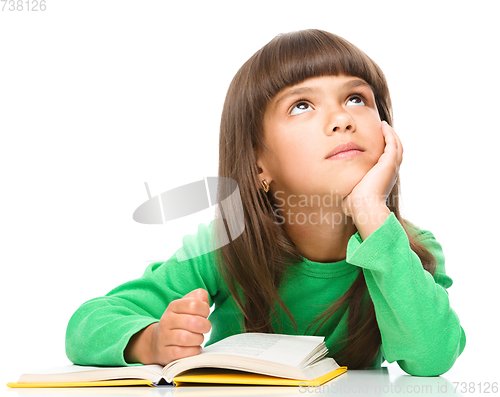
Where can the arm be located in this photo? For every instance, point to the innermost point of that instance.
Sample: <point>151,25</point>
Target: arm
<point>419,329</point>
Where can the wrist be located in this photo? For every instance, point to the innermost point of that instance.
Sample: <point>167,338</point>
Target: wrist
<point>369,218</point>
<point>354,205</point>
<point>369,208</point>
<point>140,348</point>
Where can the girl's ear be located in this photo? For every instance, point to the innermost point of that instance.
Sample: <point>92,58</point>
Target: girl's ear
<point>262,159</point>
<point>263,172</point>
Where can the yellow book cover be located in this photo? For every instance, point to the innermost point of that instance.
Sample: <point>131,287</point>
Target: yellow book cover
<point>211,376</point>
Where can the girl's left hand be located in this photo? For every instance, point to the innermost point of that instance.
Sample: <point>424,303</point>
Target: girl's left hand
<point>372,191</point>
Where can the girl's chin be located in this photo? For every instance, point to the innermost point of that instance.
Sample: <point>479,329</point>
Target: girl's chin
<point>345,183</point>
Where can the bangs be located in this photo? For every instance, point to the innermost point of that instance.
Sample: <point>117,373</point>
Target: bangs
<point>294,57</point>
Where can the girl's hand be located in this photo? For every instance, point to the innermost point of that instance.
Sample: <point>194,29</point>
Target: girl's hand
<point>179,333</point>
<point>372,191</point>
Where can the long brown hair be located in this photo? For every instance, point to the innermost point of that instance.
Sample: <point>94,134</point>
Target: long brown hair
<point>254,263</point>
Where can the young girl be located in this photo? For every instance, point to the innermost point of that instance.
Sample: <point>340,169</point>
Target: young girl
<point>306,135</point>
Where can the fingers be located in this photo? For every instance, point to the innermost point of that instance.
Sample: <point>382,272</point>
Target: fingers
<point>200,294</point>
<point>394,147</point>
<point>172,353</point>
<point>399,145</point>
<point>181,330</point>
<point>188,322</point>
<point>181,337</point>
<point>195,303</point>
<point>189,313</point>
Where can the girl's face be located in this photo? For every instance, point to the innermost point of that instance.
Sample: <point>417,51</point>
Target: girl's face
<point>304,123</point>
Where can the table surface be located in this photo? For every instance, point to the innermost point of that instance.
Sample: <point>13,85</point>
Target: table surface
<point>389,380</point>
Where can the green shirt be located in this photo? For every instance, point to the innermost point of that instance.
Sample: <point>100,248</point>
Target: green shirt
<point>419,329</point>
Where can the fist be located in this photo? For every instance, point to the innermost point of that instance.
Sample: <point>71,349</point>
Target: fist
<point>180,331</point>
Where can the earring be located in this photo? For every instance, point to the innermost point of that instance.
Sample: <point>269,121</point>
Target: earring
<point>265,185</point>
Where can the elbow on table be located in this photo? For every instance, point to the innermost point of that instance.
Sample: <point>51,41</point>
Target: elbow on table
<point>438,362</point>
<point>424,370</point>
<point>73,350</point>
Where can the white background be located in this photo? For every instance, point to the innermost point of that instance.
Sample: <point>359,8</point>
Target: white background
<point>98,97</point>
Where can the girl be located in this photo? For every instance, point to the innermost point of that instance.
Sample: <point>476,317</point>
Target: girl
<point>306,134</point>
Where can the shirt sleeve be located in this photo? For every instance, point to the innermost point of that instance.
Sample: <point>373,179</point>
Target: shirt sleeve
<point>418,327</point>
<point>100,329</point>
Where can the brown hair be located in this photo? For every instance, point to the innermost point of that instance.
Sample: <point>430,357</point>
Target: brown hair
<point>253,264</point>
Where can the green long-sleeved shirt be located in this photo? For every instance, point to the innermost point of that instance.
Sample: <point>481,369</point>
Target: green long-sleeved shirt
<point>419,329</point>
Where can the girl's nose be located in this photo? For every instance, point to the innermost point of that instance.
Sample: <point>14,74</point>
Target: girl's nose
<point>340,121</point>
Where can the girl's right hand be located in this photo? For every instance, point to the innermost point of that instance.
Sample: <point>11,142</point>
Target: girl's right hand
<point>179,333</point>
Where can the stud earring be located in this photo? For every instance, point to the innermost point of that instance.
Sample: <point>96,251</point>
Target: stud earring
<point>265,185</point>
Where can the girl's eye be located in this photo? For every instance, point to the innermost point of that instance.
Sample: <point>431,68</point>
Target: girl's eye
<point>300,107</point>
<point>355,100</point>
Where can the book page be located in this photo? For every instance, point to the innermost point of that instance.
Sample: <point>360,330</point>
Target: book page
<point>81,373</point>
<point>250,345</point>
<point>283,349</point>
<point>71,368</point>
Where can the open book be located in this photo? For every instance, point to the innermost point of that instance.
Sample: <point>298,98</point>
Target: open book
<point>249,358</point>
